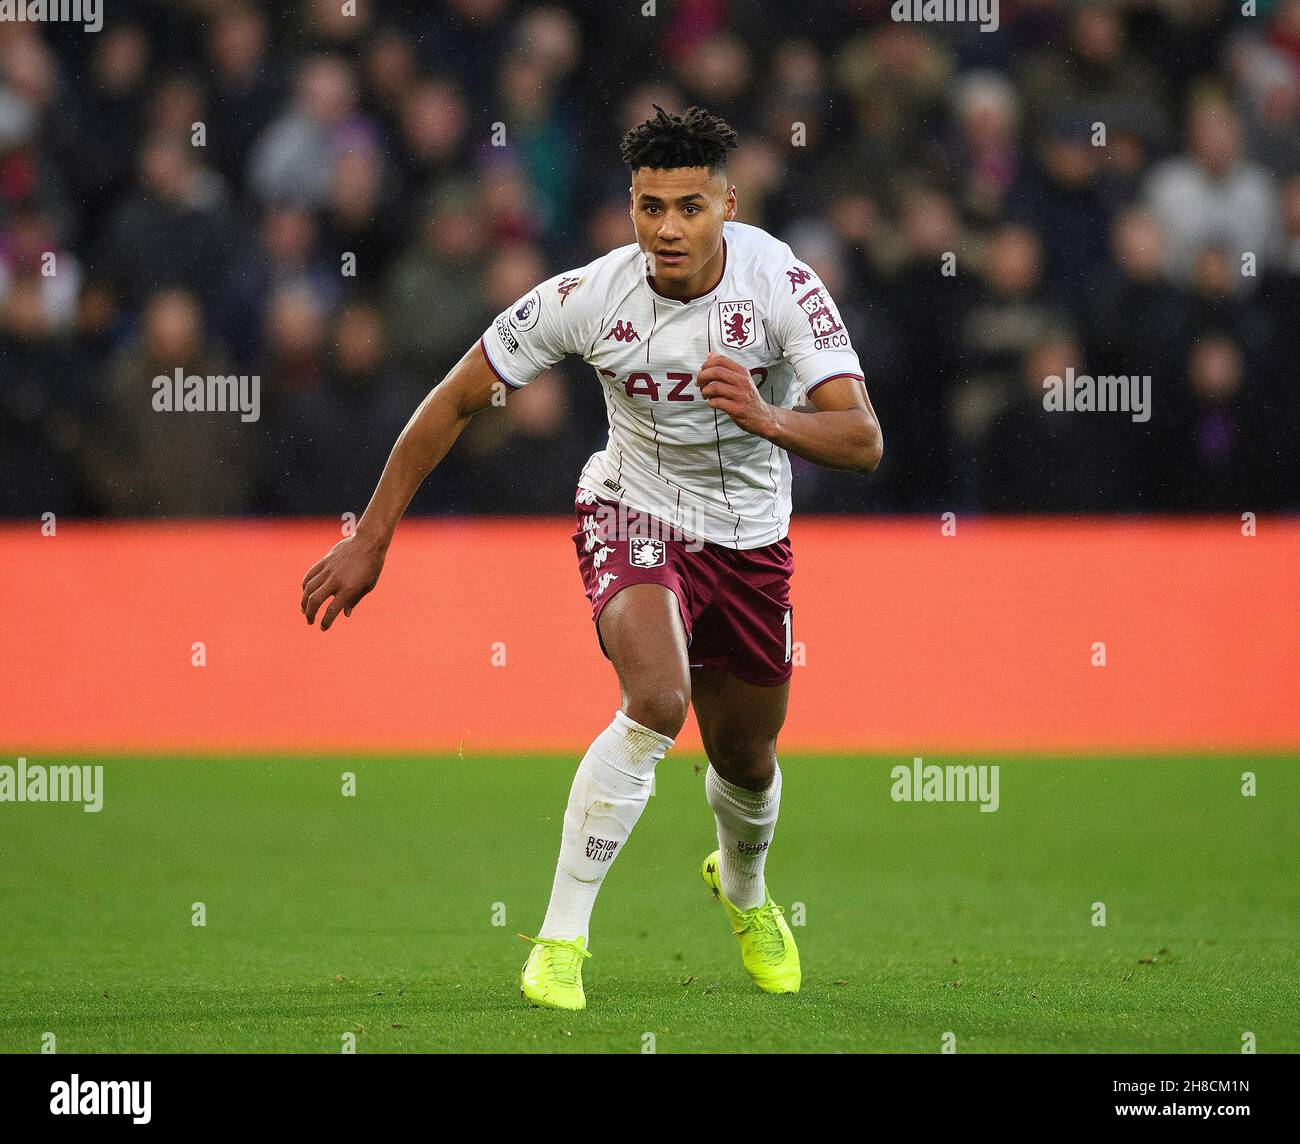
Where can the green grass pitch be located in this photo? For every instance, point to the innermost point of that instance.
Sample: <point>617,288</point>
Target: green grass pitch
<point>375,914</point>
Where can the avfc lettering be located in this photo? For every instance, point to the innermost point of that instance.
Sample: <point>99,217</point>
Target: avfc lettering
<point>601,849</point>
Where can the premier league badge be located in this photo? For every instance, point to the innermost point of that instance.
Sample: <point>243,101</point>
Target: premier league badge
<point>526,312</point>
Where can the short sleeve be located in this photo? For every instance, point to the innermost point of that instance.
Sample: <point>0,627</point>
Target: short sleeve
<point>535,332</point>
<point>811,333</point>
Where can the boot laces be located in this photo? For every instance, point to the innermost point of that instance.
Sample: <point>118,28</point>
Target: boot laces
<point>566,957</point>
<point>762,921</point>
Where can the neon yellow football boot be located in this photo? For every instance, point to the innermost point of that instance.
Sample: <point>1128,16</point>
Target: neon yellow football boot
<point>767,946</point>
<point>552,975</point>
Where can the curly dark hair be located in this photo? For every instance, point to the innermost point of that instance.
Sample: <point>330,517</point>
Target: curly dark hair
<point>695,139</point>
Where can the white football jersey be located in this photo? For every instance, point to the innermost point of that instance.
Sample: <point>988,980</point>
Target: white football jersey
<point>670,454</point>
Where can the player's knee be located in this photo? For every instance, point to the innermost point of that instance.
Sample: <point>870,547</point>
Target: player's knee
<point>748,763</point>
<point>661,708</point>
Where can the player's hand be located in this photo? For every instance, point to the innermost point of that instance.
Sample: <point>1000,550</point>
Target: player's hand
<point>346,572</point>
<point>728,386</point>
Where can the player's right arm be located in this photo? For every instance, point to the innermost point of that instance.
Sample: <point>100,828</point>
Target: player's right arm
<point>351,568</point>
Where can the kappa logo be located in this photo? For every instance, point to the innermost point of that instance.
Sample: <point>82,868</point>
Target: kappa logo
<point>606,579</point>
<point>646,552</point>
<point>565,287</point>
<point>737,322</point>
<point>622,332</point>
<point>798,276</point>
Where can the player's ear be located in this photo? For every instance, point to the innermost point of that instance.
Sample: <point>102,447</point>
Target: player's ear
<point>730,212</point>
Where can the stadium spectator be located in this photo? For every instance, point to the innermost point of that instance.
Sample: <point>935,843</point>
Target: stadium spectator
<point>1011,310</point>
<point>41,403</point>
<point>1038,460</point>
<point>143,461</point>
<point>1135,316</point>
<point>1091,76</point>
<point>988,119</point>
<point>527,458</point>
<point>432,120</point>
<point>112,118</point>
<point>246,86</point>
<point>330,440</point>
<point>920,297</point>
<point>440,274</point>
<point>293,160</point>
<point>173,230</point>
<point>1217,444</point>
<point>286,253</point>
<point>1211,195</point>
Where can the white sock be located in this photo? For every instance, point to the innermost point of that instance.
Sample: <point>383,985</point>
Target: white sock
<point>746,822</point>
<point>609,793</point>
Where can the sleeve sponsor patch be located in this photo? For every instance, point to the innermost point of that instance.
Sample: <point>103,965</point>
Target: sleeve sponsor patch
<point>507,338</point>
<point>823,319</point>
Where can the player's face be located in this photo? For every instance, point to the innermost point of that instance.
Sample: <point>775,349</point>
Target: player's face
<point>678,213</point>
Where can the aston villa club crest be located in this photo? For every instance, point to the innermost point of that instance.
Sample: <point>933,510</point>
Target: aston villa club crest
<point>645,552</point>
<point>737,324</point>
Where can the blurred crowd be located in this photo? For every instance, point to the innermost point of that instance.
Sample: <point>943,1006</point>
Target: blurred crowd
<point>340,203</point>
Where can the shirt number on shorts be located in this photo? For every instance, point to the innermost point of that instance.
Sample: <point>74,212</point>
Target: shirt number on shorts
<point>788,645</point>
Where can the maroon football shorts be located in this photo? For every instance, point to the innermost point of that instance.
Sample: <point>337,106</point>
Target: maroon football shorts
<point>734,603</point>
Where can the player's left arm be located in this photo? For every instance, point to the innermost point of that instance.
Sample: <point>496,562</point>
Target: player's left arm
<point>838,430</point>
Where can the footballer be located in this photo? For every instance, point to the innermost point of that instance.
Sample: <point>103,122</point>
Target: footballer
<point>717,353</point>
